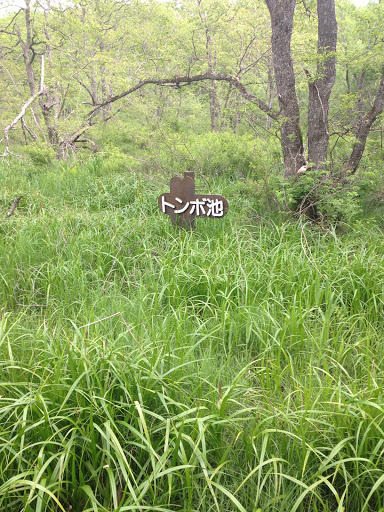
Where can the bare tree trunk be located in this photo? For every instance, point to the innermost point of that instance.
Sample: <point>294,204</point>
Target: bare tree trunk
<point>105,91</point>
<point>29,56</point>
<point>360,84</point>
<point>46,109</point>
<point>56,95</point>
<point>282,12</point>
<point>271,86</point>
<point>225,116</point>
<point>214,104</point>
<point>24,108</point>
<point>91,75</point>
<point>320,89</point>
<point>236,122</point>
<point>364,127</point>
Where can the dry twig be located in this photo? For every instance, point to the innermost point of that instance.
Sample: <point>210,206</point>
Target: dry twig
<point>14,206</point>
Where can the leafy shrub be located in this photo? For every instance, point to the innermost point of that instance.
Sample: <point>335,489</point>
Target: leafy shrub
<point>335,199</point>
<point>129,138</point>
<point>94,165</point>
<point>41,155</point>
<point>114,160</point>
<point>372,185</point>
<point>213,154</point>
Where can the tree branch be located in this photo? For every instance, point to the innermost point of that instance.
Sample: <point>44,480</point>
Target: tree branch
<point>5,30</point>
<point>364,127</point>
<point>175,81</point>
<point>24,108</point>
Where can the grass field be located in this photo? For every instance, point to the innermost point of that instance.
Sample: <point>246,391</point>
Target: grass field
<point>238,367</point>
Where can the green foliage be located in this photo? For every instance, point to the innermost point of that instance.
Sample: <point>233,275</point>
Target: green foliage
<point>372,183</point>
<point>336,199</point>
<point>127,138</point>
<point>96,52</point>
<point>222,153</point>
<point>216,154</point>
<point>40,154</point>
<point>114,160</point>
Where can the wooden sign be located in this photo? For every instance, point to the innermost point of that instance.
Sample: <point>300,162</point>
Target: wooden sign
<point>183,205</point>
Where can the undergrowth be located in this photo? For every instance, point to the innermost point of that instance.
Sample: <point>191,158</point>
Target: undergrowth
<point>238,367</point>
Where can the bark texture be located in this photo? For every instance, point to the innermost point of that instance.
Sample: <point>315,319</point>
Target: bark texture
<point>320,89</point>
<point>281,12</point>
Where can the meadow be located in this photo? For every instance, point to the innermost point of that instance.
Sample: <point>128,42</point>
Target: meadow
<point>237,367</point>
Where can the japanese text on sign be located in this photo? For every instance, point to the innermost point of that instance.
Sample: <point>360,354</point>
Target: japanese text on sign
<point>183,205</point>
<point>205,206</point>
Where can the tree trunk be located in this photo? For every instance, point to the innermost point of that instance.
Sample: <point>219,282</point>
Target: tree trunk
<point>29,55</point>
<point>360,84</point>
<point>50,62</point>
<point>91,74</point>
<point>364,127</point>
<point>282,12</point>
<point>105,91</point>
<point>24,108</point>
<point>214,104</point>
<point>320,89</point>
<point>27,48</point>
<point>46,105</point>
<point>271,86</point>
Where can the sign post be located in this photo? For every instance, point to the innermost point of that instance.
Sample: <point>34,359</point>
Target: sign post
<point>183,205</point>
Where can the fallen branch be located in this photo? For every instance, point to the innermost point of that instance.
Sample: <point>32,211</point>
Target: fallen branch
<point>93,147</point>
<point>14,206</point>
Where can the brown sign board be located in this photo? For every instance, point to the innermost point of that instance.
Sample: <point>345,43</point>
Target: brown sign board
<point>183,205</point>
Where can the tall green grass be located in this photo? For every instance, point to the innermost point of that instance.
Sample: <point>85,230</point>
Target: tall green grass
<point>238,367</point>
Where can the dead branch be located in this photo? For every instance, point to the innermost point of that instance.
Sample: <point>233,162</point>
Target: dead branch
<point>14,206</point>
<point>31,132</point>
<point>24,108</point>
<point>93,146</point>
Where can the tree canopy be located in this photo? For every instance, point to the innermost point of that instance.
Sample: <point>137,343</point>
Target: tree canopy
<point>309,74</point>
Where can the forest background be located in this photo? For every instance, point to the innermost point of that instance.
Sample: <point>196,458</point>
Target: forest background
<point>172,81</point>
